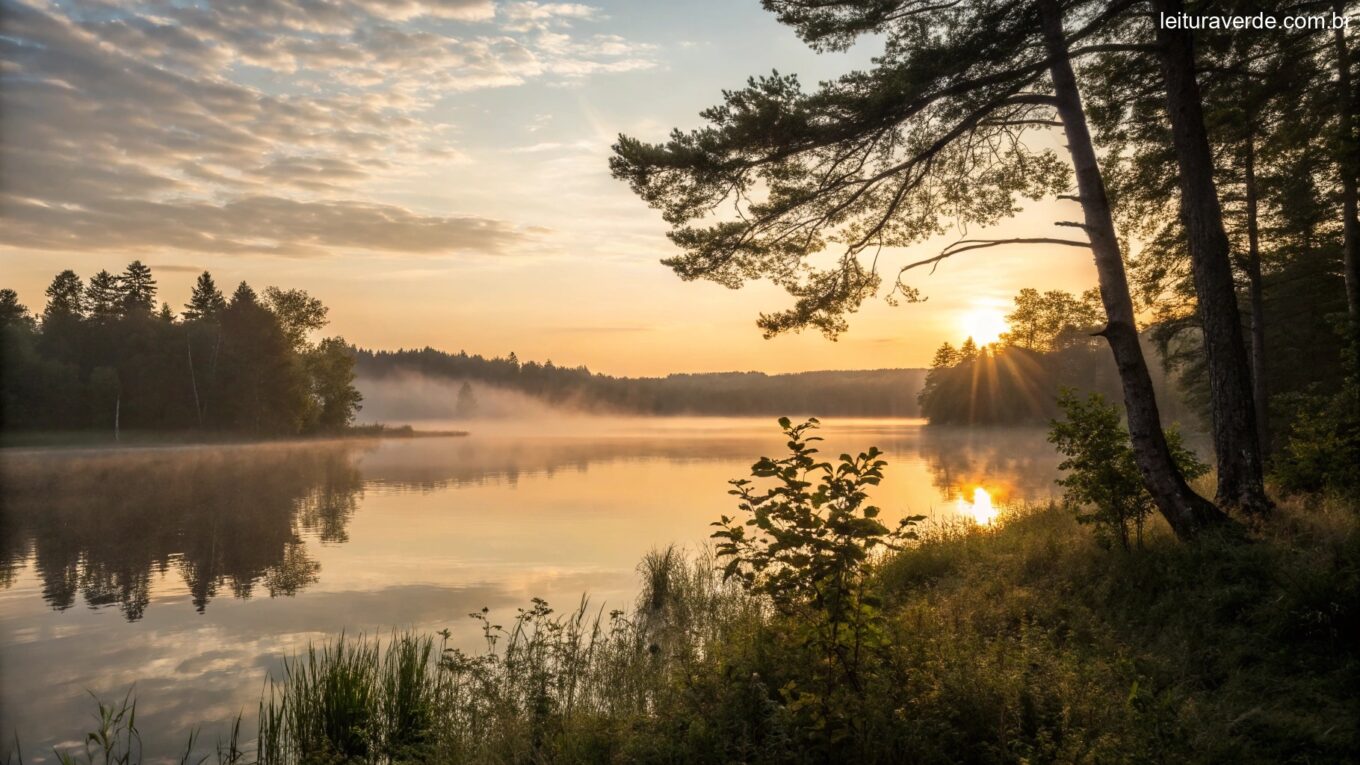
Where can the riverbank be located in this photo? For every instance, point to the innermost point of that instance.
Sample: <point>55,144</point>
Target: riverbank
<point>83,439</point>
<point>1025,643</point>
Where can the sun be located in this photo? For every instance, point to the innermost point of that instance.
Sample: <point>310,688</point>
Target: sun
<point>984,324</point>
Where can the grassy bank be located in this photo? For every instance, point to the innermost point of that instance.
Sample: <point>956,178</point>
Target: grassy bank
<point>1028,643</point>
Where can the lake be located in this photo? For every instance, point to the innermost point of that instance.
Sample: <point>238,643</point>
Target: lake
<point>191,572</point>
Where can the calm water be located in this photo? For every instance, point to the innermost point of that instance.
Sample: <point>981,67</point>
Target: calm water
<point>191,572</point>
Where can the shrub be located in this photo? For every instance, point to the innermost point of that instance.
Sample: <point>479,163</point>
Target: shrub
<point>807,546</point>
<point>1322,451</point>
<point>1103,474</point>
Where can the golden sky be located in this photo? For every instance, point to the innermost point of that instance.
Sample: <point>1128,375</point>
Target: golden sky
<point>434,170</point>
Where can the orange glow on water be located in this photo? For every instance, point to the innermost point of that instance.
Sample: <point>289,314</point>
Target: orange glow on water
<point>980,509</point>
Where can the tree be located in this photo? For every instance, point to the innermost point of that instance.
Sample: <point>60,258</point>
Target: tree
<point>467,402</point>
<point>875,159</point>
<point>11,310</point>
<point>264,387</point>
<point>331,367</point>
<point>103,296</point>
<point>65,298</point>
<point>1348,171</point>
<point>137,290</point>
<point>244,295</point>
<point>206,301</point>
<point>1237,444</point>
<point>1044,322</point>
<point>945,356</point>
<point>1103,475</point>
<point>298,313</point>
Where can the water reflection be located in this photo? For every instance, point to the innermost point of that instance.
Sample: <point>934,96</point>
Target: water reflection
<point>173,551</point>
<point>98,526</point>
<point>979,509</point>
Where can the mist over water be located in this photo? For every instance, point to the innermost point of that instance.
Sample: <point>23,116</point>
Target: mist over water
<point>410,397</point>
<point>193,571</point>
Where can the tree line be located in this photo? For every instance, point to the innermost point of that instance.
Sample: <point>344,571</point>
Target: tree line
<point>100,356</point>
<point>1234,154</point>
<point>869,393</point>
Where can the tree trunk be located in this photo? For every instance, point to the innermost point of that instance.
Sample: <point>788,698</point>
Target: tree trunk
<point>1186,512</point>
<point>1256,301</point>
<point>1348,154</point>
<point>1236,444</point>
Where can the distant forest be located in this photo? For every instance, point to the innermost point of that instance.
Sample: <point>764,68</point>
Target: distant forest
<point>871,393</point>
<point>1052,344</point>
<point>100,356</point>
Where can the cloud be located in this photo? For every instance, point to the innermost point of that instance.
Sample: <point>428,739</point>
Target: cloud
<point>245,126</point>
<point>527,16</point>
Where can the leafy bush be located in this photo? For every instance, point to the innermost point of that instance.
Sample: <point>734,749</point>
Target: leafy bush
<point>1322,452</point>
<point>1103,474</point>
<point>812,536</point>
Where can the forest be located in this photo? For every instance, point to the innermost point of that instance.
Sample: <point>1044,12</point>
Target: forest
<point>102,357</point>
<point>1164,605</point>
<point>859,393</point>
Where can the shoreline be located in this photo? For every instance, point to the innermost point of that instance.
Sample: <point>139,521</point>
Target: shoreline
<point>11,441</point>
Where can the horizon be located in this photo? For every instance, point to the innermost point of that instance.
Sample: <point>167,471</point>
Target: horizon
<point>436,178</point>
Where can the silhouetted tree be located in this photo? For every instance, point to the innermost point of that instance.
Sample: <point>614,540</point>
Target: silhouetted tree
<point>103,297</point>
<point>65,298</point>
<point>206,301</point>
<point>137,289</point>
<point>11,310</point>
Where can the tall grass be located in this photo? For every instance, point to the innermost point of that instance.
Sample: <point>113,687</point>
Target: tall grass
<point>548,684</point>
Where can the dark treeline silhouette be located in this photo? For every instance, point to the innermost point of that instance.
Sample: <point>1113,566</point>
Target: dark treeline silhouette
<point>225,518</point>
<point>101,357</point>
<point>1050,346</point>
<point>872,393</point>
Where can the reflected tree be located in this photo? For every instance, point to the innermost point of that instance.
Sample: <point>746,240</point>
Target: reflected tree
<point>102,528</point>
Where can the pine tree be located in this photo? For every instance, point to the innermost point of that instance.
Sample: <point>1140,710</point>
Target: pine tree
<point>65,298</point>
<point>244,295</point>
<point>138,289</point>
<point>467,402</point>
<point>102,296</point>
<point>945,356</point>
<point>206,301</point>
<point>11,310</point>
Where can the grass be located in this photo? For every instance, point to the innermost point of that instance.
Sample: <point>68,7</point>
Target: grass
<point>1029,643</point>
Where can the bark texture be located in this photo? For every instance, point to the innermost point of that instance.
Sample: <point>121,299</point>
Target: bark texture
<point>1186,512</point>
<point>1236,442</point>
<point>1347,164</point>
<point>1256,302</point>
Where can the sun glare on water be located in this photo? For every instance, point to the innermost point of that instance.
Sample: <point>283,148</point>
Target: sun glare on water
<point>984,324</point>
<point>980,509</point>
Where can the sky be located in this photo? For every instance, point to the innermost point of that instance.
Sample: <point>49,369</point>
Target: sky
<point>435,171</point>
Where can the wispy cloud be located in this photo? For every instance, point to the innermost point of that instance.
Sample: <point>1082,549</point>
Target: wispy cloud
<point>259,126</point>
